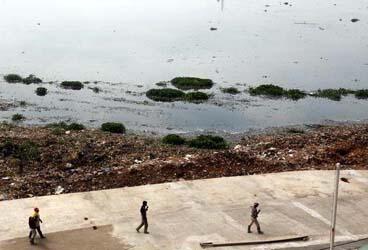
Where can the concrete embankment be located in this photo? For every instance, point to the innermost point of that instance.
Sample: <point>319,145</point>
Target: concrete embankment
<point>183,214</point>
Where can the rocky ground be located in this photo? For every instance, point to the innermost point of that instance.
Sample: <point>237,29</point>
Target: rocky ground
<point>74,161</point>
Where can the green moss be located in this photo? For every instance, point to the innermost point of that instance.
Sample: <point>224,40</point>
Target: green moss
<point>294,94</point>
<point>165,95</point>
<point>18,117</point>
<point>187,83</point>
<point>196,97</point>
<point>75,126</point>
<point>96,89</point>
<point>208,142</point>
<point>57,131</point>
<point>295,131</point>
<point>173,139</point>
<point>162,84</point>
<point>267,90</point>
<point>231,90</point>
<point>65,126</point>
<point>27,151</point>
<point>41,91</point>
<point>31,79</point>
<point>75,85</point>
<point>113,127</point>
<point>13,78</point>
<point>332,94</point>
<point>361,94</point>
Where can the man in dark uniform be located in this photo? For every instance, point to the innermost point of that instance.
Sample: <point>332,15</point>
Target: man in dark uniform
<point>144,223</point>
<point>253,217</point>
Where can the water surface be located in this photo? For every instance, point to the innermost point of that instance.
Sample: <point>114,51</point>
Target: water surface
<point>128,46</point>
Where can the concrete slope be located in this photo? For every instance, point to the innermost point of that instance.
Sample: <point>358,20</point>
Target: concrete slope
<point>182,214</point>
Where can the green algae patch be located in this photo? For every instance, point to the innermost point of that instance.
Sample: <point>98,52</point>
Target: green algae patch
<point>31,79</point>
<point>333,94</point>
<point>187,83</point>
<point>165,95</point>
<point>173,139</point>
<point>113,127</point>
<point>74,85</point>
<point>294,94</point>
<point>231,91</point>
<point>267,90</point>
<point>208,142</point>
<point>18,117</point>
<point>65,126</point>
<point>361,94</point>
<point>196,97</point>
<point>13,78</point>
<point>41,91</point>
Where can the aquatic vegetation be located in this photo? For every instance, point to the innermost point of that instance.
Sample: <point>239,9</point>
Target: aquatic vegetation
<point>187,83</point>
<point>65,126</point>
<point>76,126</point>
<point>18,117</point>
<point>95,89</point>
<point>74,85</point>
<point>294,94</point>
<point>231,90</point>
<point>208,142</point>
<point>267,90</point>
<point>165,95</point>
<point>31,79</point>
<point>361,94</point>
<point>23,103</point>
<point>162,84</point>
<point>113,127</point>
<point>295,131</point>
<point>41,91</point>
<point>196,97</point>
<point>333,94</point>
<point>13,78</point>
<point>27,151</point>
<point>173,139</point>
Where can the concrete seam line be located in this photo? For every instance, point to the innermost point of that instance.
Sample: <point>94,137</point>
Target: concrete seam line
<point>318,216</point>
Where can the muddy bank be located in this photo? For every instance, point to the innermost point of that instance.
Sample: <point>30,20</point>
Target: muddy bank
<point>91,160</point>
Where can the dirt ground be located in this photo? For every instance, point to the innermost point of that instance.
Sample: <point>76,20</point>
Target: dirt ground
<point>93,160</point>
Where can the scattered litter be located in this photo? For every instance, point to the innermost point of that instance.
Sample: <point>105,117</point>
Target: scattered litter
<point>345,179</point>
<point>59,190</point>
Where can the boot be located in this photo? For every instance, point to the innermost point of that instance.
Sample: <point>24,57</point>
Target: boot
<point>249,231</point>
<point>260,232</point>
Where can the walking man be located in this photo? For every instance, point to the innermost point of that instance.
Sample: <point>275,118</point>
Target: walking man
<point>34,224</point>
<point>253,217</point>
<point>144,223</point>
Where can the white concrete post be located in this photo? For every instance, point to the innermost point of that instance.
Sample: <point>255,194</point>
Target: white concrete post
<point>334,207</point>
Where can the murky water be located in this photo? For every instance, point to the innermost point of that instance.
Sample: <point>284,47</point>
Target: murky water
<point>129,45</point>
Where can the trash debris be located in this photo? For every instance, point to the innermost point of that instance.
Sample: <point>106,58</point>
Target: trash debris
<point>345,179</point>
<point>59,190</point>
<point>93,160</point>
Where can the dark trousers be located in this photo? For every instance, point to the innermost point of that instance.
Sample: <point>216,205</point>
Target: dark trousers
<point>32,233</point>
<point>254,221</point>
<point>143,223</point>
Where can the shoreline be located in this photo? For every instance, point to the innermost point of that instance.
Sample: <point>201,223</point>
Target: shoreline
<point>90,159</point>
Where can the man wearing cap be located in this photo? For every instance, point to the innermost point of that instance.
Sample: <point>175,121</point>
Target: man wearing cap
<point>253,216</point>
